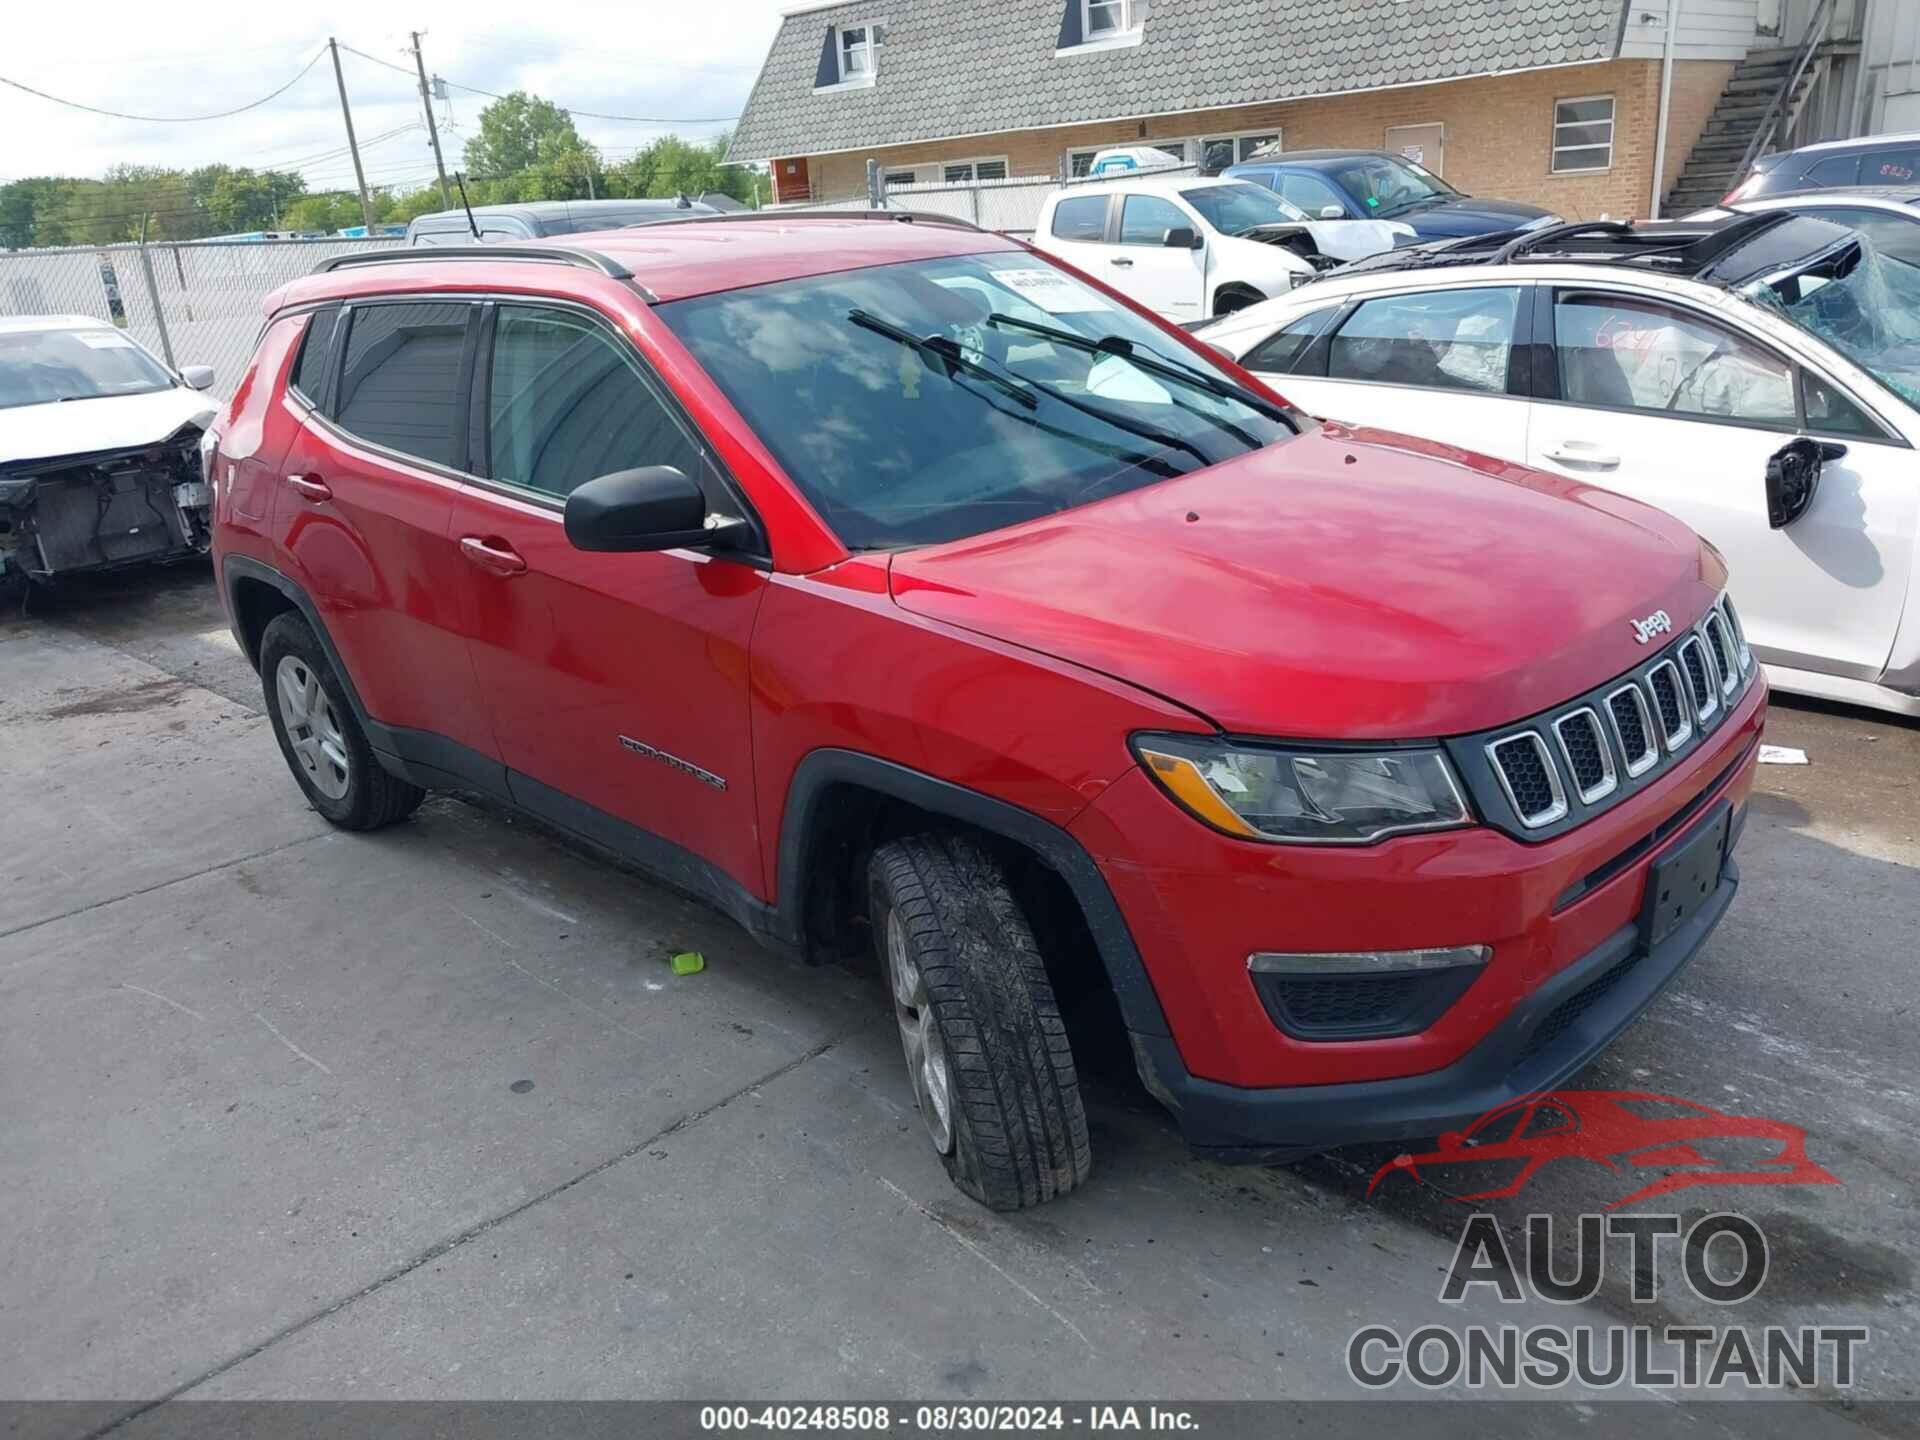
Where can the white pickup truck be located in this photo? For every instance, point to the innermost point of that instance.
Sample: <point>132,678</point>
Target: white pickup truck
<point>1189,247</point>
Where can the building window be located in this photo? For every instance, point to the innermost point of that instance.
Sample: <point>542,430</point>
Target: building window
<point>1583,134</point>
<point>1104,19</point>
<point>856,53</point>
<point>969,172</point>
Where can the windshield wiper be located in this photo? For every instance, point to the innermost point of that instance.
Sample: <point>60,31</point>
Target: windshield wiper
<point>946,354</point>
<point>1151,362</point>
<point>1023,390</point>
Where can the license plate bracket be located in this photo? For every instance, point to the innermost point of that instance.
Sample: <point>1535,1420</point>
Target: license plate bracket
<point>1684,879</point>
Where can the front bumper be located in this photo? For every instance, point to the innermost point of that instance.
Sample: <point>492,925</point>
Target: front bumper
<point>1549,1035</point>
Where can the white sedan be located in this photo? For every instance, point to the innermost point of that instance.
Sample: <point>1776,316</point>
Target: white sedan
<point>99,450</point>
<point>1757,376</point>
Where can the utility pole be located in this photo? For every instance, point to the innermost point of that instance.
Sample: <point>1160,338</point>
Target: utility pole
<point>433,130</point>
<point>359,175</point>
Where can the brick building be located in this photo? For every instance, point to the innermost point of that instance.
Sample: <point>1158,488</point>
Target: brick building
<point>1555,102</point>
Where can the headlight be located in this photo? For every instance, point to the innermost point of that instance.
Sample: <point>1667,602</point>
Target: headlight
<point>209,443</point>
<point>1317,797</point>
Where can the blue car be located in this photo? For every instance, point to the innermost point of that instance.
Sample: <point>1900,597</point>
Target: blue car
<point>1378,185</point>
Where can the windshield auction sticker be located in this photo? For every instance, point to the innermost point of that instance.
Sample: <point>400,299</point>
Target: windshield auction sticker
<point>1655,1145</point>
<point>1050,290</point>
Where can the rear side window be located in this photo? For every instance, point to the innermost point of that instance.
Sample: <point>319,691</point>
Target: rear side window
<point>1278,353</point>
<point>401,386</point>
<point>1889,167</point>
<point>1446,339</point>
<point>312,369</point>
<point>1835,170</point>
<point>1082,218</point>
<point>566,403</point>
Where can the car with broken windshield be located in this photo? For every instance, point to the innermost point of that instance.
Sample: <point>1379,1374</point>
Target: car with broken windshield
<point>928,608</point>
<point>1756,375</point>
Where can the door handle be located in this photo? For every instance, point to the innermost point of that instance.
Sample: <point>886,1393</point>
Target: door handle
<point>310,486</point>
<point>1122,262</point>
<point>494,556</point>
<point>1582,455</point>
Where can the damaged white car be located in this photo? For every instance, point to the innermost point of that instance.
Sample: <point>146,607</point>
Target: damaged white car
<point>99,451</point>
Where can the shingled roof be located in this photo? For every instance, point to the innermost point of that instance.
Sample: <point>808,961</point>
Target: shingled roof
<point>970,67</point>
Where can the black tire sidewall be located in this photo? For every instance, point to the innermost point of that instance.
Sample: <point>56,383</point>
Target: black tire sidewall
<point>289,635</point>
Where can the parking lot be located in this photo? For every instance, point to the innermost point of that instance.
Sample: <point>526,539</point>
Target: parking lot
<point>427,1114</point>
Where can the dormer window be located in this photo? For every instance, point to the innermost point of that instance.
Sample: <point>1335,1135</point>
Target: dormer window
<point>1108,19</point>
<point>856,54</point>
<point>1090,26</point>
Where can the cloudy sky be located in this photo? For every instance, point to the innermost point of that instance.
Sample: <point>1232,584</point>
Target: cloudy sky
<point>683,60</point>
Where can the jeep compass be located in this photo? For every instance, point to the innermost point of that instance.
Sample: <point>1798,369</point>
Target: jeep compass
<point>907,595</point>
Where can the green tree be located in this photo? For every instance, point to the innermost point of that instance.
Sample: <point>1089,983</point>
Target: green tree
<point>672,166</point>
<point>528,149</point>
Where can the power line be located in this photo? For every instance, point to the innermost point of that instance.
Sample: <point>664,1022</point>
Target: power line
<point>169,119</point>
<point>588,114</point>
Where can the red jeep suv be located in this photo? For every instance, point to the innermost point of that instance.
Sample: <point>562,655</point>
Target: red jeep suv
<point>902,591</point>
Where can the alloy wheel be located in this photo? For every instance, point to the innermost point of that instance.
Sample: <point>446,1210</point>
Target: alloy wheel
<point>920,1037</point>
<point>313,729</point>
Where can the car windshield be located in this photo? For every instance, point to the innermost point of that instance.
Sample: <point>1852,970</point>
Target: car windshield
<point>1863,303</point>
<point>1235,209</point>
<point>1386,186</point>
<point>38,367</point>
<point>925,401</point>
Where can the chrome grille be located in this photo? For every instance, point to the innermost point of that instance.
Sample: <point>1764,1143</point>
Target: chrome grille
<point>1676,719</point>
<point>1738,631</point>
<point>1633,729</point>
<point>1714,631</point>
<point>1559,768</point>
<point>1703,686</point>
<point>1589,759</point>
<point>1529,777</point>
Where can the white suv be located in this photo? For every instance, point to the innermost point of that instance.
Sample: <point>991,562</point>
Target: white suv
<point>1757,376</point>
<point>1189,247</point>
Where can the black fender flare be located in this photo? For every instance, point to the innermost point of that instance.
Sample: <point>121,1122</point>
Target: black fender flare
<point>822,769</point>
<point>234,569</point>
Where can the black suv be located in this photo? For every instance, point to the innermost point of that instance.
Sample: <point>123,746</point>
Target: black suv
<point>1872,160</point>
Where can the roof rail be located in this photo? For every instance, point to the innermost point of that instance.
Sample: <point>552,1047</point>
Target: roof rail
<point>559,254</point>
<point>905,217</point>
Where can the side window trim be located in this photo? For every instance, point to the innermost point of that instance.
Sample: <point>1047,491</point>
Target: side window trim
<point>342,338</point>
<point>1556,293</point>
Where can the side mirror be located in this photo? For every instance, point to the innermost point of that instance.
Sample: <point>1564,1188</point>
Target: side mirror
<point>198,377</point>
<point>654,508</point>
<point>1793,478</point>
<point>1182,237</point>
<point>1332,212</point>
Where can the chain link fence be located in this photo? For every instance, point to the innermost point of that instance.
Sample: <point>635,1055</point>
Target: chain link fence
<point>191,304</point>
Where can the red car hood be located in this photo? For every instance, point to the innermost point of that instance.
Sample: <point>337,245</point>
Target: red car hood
<point>1348,584</point>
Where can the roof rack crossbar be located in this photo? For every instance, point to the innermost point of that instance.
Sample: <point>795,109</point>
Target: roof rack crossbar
<point>907,217</point>
<point>559,254</point>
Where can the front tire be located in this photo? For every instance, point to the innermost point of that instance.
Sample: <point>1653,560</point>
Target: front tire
<point>986,1051</point>
<point>320,737</point>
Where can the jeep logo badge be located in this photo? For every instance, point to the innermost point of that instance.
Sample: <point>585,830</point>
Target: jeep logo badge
<point>1658,623</point>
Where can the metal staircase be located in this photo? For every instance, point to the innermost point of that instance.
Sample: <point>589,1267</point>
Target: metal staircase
<point>1757,110</point>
